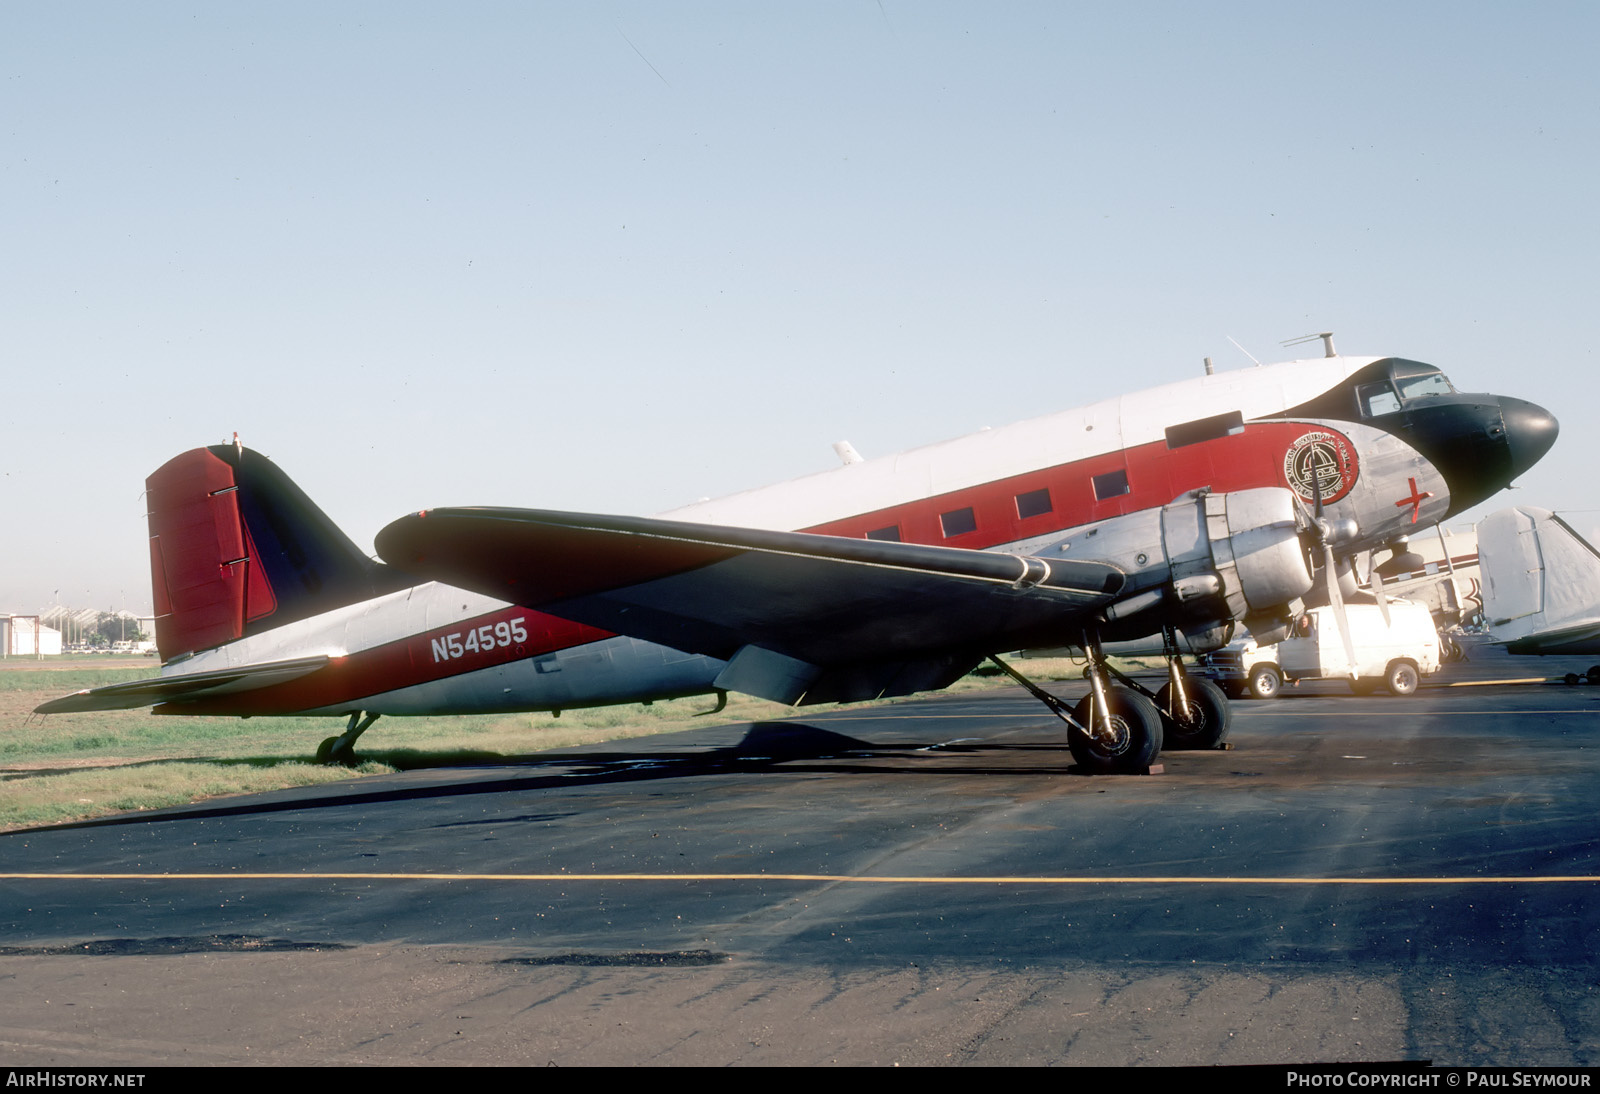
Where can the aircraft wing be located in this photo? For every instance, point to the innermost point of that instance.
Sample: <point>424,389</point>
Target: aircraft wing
<point>800,617</point>
<point>1582,637</point>
<point>172,689</point>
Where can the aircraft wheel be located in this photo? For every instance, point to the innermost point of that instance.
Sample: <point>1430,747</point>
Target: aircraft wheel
<point>1135,739</point>
<point>1203,725</point>
<point>1402,678</point>
<point>1265,682</point>
<point>336,750</point>
<point>1571,679</point>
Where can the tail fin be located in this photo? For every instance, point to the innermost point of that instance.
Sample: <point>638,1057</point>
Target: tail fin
<point>237,548</point>
<point>1541,582</point>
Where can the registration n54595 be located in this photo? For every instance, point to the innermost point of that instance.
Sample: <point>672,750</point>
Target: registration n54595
<point>480,639</point>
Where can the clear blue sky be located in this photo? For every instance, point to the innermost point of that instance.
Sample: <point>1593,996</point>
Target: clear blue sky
<point>614,257</point>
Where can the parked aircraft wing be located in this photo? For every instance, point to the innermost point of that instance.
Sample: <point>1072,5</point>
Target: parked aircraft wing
<point>798,614</point>
<point>171,689</point>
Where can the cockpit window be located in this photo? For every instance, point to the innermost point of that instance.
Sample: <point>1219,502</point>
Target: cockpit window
<point>1423,387</point>
<point>1388,396</point>
<point>1378,399</point>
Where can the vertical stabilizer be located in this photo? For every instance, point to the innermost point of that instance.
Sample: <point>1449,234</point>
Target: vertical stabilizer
<point>237,548</point>
<point>1541,582</point>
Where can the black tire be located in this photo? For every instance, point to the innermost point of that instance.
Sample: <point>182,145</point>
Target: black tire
<point>1593,674</point>
<point>1402,678</point>
<point>1136,724</point>
<point>1265,682</point>
<point>1204,725</point>
<point>335,752</point>
<point>1571,679</point>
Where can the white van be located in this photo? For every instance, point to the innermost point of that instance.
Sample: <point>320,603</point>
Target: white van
<point>1396,656</point>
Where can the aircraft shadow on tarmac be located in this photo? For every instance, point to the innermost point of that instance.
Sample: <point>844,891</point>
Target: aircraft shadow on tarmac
<point>764,746</point>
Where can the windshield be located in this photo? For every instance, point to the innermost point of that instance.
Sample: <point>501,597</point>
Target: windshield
<point>1388,396</point>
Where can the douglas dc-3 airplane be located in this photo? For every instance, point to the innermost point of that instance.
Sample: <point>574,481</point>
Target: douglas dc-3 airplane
<point>1189,506</point>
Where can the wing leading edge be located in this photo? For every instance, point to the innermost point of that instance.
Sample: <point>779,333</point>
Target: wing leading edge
<point>800,617</point>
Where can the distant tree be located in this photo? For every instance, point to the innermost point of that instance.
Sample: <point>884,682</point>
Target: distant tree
<point>112,627</point>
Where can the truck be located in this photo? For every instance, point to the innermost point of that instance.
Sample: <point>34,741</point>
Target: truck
<point>1396,655</point>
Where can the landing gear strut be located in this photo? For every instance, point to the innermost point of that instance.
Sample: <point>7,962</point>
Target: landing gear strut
<point>1194,711</point>
<point>1112,731</point>
<point>342,749</point>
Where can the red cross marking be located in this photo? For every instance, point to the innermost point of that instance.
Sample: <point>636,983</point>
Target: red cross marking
<point>1415,500</point>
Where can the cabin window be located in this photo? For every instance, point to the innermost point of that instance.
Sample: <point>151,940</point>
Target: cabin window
<point>891,533</point>
<point>1205,429</point>
<point>958,522</point>
<point>1035,503</point>
<point>1113,484</point>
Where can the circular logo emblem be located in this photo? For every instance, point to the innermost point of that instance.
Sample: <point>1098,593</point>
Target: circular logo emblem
<point>1321,460</point>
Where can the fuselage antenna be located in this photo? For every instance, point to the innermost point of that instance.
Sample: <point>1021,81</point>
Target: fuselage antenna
<point>1242,350</point>
<point>1327,342</point>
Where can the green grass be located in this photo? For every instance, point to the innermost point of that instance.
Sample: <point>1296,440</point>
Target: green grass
<point>76,766</point>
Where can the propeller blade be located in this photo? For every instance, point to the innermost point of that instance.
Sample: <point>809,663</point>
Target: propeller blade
<point>1336,602</point>
<point>1377,587</point>
<point>1330,573</point>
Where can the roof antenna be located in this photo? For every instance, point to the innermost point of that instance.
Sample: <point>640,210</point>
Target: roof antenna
<point>1327,342</point>
<point>1242,350</point>
<point>847,452</point>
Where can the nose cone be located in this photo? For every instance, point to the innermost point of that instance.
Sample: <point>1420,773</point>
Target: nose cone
<point>1530,431</point>
<point>1479,443</point>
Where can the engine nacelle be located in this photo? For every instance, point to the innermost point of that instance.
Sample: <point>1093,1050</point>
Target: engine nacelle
<point>1202,561</point>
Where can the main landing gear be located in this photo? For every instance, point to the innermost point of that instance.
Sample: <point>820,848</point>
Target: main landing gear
<point>342,749</point>
<point>1121,730</point>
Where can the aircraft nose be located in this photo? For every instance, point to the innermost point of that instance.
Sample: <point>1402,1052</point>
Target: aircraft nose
<point>1530,431</point>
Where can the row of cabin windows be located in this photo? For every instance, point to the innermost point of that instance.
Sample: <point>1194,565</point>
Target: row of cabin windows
<point>1112,484</point>
<point>1034,503</point>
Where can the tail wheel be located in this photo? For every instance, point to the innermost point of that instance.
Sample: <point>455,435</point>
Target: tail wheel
<point>1128,745</point>
<point>1203,725</point>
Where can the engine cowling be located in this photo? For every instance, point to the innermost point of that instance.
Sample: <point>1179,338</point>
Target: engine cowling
<point>1203,560</point>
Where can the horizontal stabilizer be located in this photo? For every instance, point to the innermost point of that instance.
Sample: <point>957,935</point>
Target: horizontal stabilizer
<point>176,689</point>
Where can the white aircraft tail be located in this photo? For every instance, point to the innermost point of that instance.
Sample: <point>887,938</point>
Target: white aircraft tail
<point>1541,582</point>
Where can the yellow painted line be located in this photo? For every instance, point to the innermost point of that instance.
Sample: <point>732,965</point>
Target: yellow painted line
<point>1489,683</point>
<point>883,879</point>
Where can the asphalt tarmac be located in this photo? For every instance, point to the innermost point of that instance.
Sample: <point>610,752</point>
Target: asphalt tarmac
<point>918,883</point>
